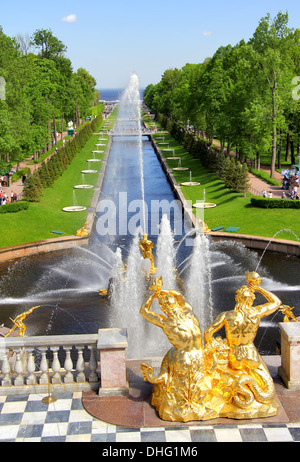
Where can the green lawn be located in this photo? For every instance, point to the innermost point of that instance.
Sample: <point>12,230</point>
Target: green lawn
<point>43,217</point>
<point>232,209</point>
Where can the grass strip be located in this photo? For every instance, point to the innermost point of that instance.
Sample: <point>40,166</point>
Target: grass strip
<point>42,217</point>
<point>233,209</point>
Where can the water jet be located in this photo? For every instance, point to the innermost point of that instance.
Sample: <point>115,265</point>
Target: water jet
<point>213,270</point>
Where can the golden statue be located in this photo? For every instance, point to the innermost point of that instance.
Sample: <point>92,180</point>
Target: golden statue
<point>146,246</point>
<point>19,322</point>
<point>83,232</point>
<point>227,377</point>
<point>176,392</point>
<point>288,314</point>
<point>251,388</point>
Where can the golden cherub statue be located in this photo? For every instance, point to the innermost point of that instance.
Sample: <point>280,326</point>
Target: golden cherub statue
<point>19,322</point>
<point>225,378</point>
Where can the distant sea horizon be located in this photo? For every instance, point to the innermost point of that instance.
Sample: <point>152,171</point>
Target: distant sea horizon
<point>113,94</point>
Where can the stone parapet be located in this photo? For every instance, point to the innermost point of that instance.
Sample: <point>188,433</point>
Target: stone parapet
<point>289,371</point>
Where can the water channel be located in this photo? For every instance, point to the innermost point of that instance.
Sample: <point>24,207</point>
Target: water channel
<point>66,283</point>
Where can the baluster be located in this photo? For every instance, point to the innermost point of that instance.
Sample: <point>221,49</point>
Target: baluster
<point>44,367</point>
<point>92,365</point>
<point>68,365</point>
<point>80,365</point>
<point>56,378</point>
<point>19,380</point>
<point>31,379</point>
<point>6,382</point>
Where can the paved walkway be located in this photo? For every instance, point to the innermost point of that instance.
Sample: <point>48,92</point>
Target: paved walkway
<point>17,186</point>
<point>258,185</point>
<point>28,419</point>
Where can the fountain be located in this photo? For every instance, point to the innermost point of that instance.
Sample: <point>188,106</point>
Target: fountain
<point>71,280</point>
<point>203,204</point>
<point>83,186</point>
<point>190,183</point>
<point>173,155</point>
<point>180,168</point>
<point>89,171</point>
<point>74,208</point>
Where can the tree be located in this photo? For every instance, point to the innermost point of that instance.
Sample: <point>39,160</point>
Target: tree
<point>271,42</point>
<point>24,43</point>
<point>243,183</point>
<point>49,45</point>
<point>82,88</point>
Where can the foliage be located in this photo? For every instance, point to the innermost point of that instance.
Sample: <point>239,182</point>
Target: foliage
<point>42,94</point>
<point>14,207</point>
<point>234,174</point>
<point>17,175</point>
<point>242,95</point>
<point>275,203</point>
<point>50,171</point>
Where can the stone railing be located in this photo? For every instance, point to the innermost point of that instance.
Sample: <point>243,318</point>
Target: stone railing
<point>64,363</point>
<point>289,371</point>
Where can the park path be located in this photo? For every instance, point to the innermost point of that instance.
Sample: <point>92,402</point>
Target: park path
<point>256,184</point>
<point>17,186</point>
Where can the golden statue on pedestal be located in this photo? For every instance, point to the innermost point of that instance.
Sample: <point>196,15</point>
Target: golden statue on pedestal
<point>224,378</point>
<point>146,247</point>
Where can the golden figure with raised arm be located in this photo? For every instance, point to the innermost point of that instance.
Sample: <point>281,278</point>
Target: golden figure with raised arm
<point>176,388</point>
<point>146,247</point>
<point>253,391</point>
<point>227,377</point>
<point>19,322</point>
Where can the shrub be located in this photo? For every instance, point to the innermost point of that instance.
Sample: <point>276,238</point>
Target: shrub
<point>17,175</point>
<point>51,170</point>
<point>14,207</point>
<point>275,203</point>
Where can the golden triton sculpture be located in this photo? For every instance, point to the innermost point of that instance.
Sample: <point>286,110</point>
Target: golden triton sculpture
<point>19,322</point>
<point>226,377</point>
<point>146,246</point>
<point>176,393</point>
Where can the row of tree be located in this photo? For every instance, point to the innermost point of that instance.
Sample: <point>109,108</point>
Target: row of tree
<point>230,170</point>
<point>246,95</point>
<point>40,94</point>
<point>54,166</point>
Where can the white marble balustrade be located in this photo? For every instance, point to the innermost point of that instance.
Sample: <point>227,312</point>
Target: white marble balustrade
<point>67,362</point>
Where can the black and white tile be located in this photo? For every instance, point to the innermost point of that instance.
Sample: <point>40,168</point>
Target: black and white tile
<point>27,418</point>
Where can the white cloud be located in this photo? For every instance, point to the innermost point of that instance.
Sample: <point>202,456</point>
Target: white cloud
<point>70,18</point>
<point>206,33</point>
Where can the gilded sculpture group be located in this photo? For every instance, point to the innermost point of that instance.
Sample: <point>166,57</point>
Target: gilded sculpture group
<point>222,378</point>
<point>225,377</point>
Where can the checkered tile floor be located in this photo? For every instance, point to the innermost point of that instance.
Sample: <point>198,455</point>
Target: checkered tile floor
<point>27,418</point>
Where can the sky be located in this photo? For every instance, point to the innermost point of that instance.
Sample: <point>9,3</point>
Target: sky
<point>113,39</point>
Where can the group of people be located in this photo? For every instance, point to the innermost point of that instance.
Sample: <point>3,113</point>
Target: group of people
<point>4,199</point>
<point>290,183</point>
